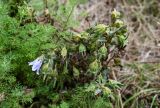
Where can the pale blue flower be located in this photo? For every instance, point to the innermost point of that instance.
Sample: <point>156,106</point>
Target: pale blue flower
<point>36,64</point>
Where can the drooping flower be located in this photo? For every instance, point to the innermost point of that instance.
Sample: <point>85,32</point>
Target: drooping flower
<point>36,64</point>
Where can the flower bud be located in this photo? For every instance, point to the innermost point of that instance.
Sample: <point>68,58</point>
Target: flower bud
<point>103,51</point>
<point>77,38</point>
<point>85,35</point>
<point>119,23</point>
<point>94,66</point>
<point>64,52</point>
<point>115,14</point>
<point>100,28</point>
<point>106,90</point>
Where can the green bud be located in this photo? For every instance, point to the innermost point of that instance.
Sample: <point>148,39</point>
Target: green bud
<point>119,23</point>
<point>103,51</point>
<point>82,48</point>
<point>106,90</point>
<point>85,35</point>
<point>94,66</point>
<point>93,46</point>
<point>64,52</point>
<point>115,14</point>
<point>77,38</point>
<point>100,28</point>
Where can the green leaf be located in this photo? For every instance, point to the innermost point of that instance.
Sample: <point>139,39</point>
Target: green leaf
<point>45,68</point>
<point>65,69</point>
<point>91,87</point>
<point>64,105</point>
<point>122,41</point>
<point>76,72</point>
<point>82,48</point>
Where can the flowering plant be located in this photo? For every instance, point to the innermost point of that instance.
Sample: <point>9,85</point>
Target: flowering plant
<point>74,68</point>
<point>84,58</point>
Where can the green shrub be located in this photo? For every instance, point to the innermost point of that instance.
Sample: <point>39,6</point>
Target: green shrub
<point>74,71</point>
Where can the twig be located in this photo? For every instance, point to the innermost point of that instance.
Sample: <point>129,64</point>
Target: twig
<point>110,59</point>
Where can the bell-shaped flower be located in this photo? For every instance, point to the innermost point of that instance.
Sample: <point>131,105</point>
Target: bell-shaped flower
<point>36,64</point>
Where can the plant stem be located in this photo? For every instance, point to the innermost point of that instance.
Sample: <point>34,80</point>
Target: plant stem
<point>65,23</point>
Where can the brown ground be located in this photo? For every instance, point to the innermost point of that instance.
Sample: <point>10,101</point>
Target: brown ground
<point>142,18</point>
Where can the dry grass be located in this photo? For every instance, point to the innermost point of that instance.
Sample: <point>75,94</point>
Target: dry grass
<point>142,18</point>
